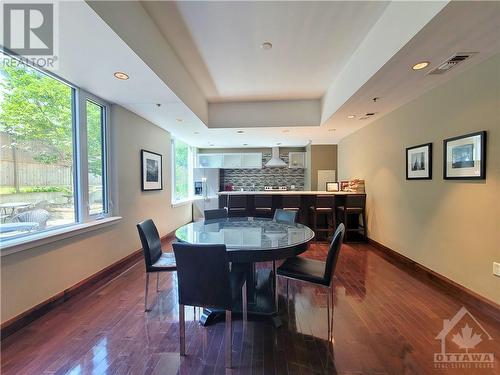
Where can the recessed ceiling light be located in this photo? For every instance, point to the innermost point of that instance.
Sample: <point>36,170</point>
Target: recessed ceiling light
<point>196,133</point>
<point>121,75</point>
<point>351,116</point>
<point>286,131</point>
<point>331,130</point>
<point>211,145</point>
<point>420,65</point>
<point>179,120</point>
<point>245,144</point>
<point>266,45</point>
<point>240,131</point>
<point>278,143</point>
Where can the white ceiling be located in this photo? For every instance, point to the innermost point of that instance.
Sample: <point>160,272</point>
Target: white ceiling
<point>115,42</point>
<point>311,43</point>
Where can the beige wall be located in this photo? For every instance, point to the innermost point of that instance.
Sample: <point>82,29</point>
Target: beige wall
<point>32,276</point>
<point>322,157</point>
<point>451,227</point>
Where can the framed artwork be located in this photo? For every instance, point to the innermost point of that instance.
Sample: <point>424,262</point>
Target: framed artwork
<point>465,157</point>
<point>419,162</point>
<point>151,168</point>
<point>332,186</point>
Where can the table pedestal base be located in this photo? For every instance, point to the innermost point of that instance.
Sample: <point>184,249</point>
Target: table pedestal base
<point>260,299</point>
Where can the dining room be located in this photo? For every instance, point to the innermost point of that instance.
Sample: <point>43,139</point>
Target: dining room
<point>250,187</point>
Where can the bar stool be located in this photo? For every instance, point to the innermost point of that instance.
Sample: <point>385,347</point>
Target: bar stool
<point>237,205</point>
<point>324,207</point>
<point>351,212</point>
<point>292,203</point>
<point>263,205</point>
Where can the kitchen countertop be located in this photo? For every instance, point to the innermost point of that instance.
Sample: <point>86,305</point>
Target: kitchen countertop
<point>284,192</point>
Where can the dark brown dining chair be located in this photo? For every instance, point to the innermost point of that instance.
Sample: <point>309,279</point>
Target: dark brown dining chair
<point>237,205</point>
<point>156,260</point>
<point>324,207</point>
<point>263,206</point>
<point>315,271</point>
<point>220,213</point>
<point>205,280</point>
<point>292,203</point>
<point>354,208</point>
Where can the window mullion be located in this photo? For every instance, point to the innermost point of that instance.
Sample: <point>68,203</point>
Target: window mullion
<point>83,189</point>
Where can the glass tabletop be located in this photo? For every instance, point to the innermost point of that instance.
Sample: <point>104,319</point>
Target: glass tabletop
<point>242,233</point>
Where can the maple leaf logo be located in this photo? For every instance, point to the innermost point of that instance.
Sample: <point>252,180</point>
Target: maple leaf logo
<point>466,339</point>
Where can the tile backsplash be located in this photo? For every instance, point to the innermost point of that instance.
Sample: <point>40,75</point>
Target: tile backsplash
<point>256,179</point>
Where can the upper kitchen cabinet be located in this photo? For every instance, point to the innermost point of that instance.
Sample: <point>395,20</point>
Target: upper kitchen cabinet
<point>251,160</point>
<point>296,160</point>
<point>230,161</point>
<point>209,161</point>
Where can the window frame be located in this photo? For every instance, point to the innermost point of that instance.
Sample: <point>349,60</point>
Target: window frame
<point>83,218</point>
<point>190,166</point>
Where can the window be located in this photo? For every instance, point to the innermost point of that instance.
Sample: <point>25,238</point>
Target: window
<point>52,164</point>
<point>182,171</point>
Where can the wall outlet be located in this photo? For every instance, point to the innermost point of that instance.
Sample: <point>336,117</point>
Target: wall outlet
<point>496,269</point>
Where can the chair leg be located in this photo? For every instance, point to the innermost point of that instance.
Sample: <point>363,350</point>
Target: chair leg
<point>146,292</point>
<point>276,297</point>
<point>229,339</point>
<point>157,282</point>
<point>244,301</point>
<point>287,300</point>
<point>328,312</point>
<point>182,331</point>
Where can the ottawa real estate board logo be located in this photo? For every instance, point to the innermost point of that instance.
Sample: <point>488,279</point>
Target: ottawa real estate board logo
<point>461,339</point>
<point>30,32</point>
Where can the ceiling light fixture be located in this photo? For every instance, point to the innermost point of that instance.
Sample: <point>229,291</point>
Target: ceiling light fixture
<point>240,131</point>
<point>120,75</point>
<point>279,143</point>
<point>266,45</point>
<point>351,116</point>
<point>245,144</point>
<point>286,131</point>
<point>179,119</point>
<point>420,65</point>
<point>331,130</point>
<point>196,133</point>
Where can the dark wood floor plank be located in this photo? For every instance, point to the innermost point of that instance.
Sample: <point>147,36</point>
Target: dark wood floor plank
<point>385,322</point>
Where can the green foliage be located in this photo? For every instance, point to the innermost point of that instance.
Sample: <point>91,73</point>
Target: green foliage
<point>36,110</point>
<point>181,170</point>
<point>37,189</point>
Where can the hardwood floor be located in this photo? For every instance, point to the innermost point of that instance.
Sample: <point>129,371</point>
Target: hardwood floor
<point>385,322</point>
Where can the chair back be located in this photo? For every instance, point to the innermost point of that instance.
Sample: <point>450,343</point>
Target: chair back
<point>291,201</point>
<point>355,201</point>
<point>203,275</point>
<point>39,216</point>
<point>237,201</point>
<point>324,201</point>
<point>151,243</point>
<point>333,252</point>
<point>263,201</point>
<point>220,213</point>
<point>283,216</point>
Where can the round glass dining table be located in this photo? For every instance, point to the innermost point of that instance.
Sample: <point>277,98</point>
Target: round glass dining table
<point>249,241</point>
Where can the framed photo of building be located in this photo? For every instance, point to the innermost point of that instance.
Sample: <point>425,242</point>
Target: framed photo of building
<point>465,157</point>
<point>332,186</point>
<point>419,162</point>
<point>151,168</point>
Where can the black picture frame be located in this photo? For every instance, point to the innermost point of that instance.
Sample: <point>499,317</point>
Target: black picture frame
<point>448,145</point>
<point>146,174</point>
<point>414,175</point>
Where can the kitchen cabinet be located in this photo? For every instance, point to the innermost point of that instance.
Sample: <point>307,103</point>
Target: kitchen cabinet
<point>209,161</point>
<point>296,160</point>
<point>231,161</point>
<point>251,160</point>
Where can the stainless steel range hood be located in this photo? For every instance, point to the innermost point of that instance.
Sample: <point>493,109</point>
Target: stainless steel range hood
<point>275,159</point>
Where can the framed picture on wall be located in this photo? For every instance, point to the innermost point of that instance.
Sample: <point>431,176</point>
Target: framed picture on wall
<point>465,157</point>
<point>151,168</point>
<point>332,186</point>
<point>419,162</point>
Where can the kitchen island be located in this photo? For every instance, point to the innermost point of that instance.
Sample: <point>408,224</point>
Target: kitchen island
<point>247,201</point>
